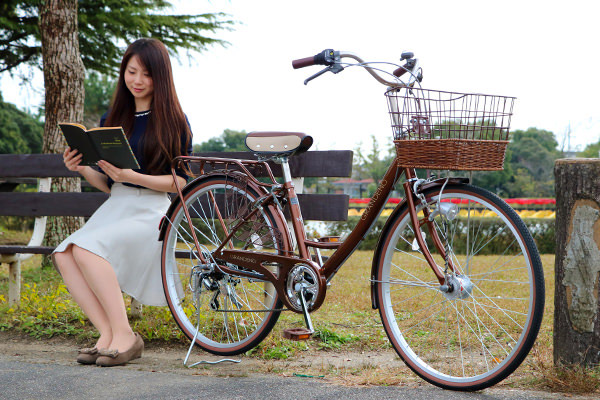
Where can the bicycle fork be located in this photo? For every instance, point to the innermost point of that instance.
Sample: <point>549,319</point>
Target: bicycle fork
<point>441,274</point>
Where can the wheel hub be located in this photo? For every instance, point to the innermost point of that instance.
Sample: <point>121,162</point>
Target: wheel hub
<point>458,287</point>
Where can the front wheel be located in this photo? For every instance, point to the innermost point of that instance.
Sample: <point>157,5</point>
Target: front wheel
<point>477,334</point>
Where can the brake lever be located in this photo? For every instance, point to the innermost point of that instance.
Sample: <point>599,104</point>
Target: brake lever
<point>335,68</point>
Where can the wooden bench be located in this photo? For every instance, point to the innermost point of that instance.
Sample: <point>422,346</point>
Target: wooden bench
<point>41,168</point>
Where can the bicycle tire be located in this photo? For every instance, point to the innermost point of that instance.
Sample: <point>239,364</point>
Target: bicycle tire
<point>233,310</point>
<point>453,340</point>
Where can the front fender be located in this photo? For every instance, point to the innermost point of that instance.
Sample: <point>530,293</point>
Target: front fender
<point>386,231</point>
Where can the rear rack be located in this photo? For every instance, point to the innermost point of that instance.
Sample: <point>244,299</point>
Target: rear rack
<point>235,164</point>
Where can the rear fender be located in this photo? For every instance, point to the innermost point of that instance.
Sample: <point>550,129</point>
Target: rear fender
<point>259,190</point>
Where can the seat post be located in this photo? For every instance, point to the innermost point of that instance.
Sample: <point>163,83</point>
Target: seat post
<point>285,166</point>
<point>297,223</point>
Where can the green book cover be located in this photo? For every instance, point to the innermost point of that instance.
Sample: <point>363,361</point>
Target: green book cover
<point>104,143</point>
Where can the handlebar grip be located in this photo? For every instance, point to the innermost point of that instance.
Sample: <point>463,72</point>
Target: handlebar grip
<point>303,62</point>
<point>399,72</point>
<point>326,57</point>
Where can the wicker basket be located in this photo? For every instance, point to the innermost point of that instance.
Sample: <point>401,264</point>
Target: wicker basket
<point>448,130</point>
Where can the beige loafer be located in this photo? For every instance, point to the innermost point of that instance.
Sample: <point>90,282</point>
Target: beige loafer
<point>88,355</point>
<point>111,358</point>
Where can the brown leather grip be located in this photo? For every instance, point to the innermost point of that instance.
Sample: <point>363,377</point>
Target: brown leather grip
<point>399,72</point>
<point>303,62</point>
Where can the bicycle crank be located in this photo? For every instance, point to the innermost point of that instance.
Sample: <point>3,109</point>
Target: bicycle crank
<point>305,289</point>
<point>304,283</point>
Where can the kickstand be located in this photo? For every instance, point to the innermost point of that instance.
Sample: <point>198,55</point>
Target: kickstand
<point>307,319</point>
<point>204,361</point>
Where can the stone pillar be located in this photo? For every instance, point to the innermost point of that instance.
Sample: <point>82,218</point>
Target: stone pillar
<point>577,264</point>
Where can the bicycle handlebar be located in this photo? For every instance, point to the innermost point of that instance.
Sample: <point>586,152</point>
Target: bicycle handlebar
<point>333,58</point>
<point>326,57</point>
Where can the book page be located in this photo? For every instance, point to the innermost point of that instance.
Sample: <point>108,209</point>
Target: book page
<point>112,146</point>
<point>77,138</point>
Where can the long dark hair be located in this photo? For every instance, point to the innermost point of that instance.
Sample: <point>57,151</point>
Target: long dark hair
<point>166,122</point>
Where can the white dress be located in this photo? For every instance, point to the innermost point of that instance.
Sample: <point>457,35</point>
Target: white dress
<point>124,231</point>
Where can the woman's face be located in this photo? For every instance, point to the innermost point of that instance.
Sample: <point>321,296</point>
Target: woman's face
<point>139,82</point>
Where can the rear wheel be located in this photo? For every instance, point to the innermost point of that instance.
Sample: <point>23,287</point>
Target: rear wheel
<point>477,334</point>
<point>233,313</point>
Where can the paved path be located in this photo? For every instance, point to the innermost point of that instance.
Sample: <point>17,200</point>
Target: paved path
<point>28,380</point>
<point>46,369</point>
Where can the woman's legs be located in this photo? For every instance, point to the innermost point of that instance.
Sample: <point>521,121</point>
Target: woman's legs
<point>84,296</point>
<point>102,279</point>
<point>93,284</point>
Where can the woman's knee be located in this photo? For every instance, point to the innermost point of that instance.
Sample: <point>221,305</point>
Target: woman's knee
<point>64,261</point>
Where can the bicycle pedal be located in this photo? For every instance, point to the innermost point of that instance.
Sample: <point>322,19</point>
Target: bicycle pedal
<point>329,239</point>
<point>297,334</point>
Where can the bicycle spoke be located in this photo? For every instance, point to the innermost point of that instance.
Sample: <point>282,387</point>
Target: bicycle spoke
<point>465,335</point>
<point>235,312</point>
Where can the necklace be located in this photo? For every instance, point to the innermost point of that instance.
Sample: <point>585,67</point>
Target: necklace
<point>143,113</point>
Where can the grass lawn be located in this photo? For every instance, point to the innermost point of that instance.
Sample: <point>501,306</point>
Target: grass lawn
<point>345,324</point>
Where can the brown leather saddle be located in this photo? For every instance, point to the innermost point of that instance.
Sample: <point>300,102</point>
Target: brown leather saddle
<point>278,143</point>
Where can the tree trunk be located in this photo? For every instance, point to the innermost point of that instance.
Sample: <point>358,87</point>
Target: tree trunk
<point>577,265</point>
<point>64,75</point>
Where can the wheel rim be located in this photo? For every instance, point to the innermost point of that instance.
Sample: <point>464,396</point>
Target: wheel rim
<point>451,339</point>
<point>232,311</point>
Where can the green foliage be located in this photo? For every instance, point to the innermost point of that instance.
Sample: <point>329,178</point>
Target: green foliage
<point>528,166</point>
<point>20,132</point>
<point>47,310</point>
<point>532,157</point>
<point>40,315</point>
<point>103,26</point>
<point>592,150</point>
<point>229,140</point>
<point>330,340</point>
<point>98,92</point>
<point>542,230</point>
<point>373,164</point>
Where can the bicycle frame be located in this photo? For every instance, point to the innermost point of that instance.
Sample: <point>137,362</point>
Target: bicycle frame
<point>343,250</point>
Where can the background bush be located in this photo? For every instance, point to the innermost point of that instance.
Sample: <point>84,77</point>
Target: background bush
<point>541,229</point>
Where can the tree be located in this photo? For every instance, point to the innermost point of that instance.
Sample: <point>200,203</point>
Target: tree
<point>63,83</point>
<point>229,140</point>
<point>20,132</point>
<point>592,150</point>
<point>373,164</point>
<point>63,36</point>
<point>533,152</point>
<point>98,92</point>
<point>103,27</point>
<point>528,166</point>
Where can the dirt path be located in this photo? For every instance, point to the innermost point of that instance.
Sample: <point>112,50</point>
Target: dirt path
<point>381,369</point>
<point>169,358</point>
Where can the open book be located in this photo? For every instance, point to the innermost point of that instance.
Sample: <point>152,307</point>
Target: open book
<point>105,143</point>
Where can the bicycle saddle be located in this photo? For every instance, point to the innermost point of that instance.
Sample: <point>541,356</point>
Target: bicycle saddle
<point>278,143</point>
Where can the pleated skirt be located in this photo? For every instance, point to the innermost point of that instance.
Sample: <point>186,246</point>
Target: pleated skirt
<point>124,231</point>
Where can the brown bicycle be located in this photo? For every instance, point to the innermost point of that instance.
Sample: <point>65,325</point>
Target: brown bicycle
<point>456,275</point>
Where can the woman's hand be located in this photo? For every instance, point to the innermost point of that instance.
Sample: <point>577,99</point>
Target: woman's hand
<point>117,174</point>
<point>72,159</point>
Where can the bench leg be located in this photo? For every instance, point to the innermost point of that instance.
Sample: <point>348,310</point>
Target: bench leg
<point>136,308</point>
<point>14,283</point>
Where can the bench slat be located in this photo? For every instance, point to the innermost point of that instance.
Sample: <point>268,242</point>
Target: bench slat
<point>50,204</point>
<point>14,249</point>
<point>324,207</point>
<point>331,163</point>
